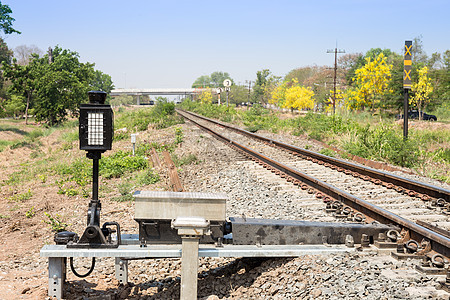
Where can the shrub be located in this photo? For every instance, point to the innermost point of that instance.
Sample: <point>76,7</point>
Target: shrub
<point>66,189</point>
<point>383,142</point>
<point>125,189</point>
<point>79,171</point>
<point>443,154</point>
<point>55,223</point>
<point>162,115</point>
<point>21,197</point>
<point>35,134</point>
<point>178,135</point>
<point>116,165</point>
<point>327,152</point>
<point>30,213</point>
<point>147,177</point>
<point>70,136</point>
<point>121,135</point>
<point>184,160</point>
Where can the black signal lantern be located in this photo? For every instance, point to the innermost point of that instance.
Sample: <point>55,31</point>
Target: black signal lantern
<point>96,134</point>
<point>96,123</point>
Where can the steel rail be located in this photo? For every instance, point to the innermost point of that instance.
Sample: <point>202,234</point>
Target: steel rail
<point>439,243</point>
<point>419,187</point>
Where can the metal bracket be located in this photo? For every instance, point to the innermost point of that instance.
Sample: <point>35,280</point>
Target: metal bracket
<point>56,276</point>
<point>121,267</point>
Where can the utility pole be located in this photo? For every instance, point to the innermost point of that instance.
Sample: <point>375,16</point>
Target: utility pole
<point>335,51</point>
<point>249,87</point>
<point>50,55</point>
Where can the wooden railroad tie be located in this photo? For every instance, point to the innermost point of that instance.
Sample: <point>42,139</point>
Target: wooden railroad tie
<point>175,182</point>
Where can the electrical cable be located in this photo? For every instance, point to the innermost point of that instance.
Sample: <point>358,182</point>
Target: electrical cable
<point>82,275</point>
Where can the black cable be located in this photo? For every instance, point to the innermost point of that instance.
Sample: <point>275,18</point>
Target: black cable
<point>82,275</point>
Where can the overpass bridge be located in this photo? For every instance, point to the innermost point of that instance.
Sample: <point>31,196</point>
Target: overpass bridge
<point>157,92</point>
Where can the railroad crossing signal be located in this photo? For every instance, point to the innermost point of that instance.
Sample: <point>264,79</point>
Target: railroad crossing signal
<point>407,65</point>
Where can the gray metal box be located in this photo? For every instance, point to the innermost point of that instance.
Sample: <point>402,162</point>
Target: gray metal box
<point>156,205</point>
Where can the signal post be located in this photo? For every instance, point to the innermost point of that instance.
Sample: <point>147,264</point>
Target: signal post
<point>407,62</point>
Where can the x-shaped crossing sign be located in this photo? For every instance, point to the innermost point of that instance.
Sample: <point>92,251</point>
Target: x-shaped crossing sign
<point>407,65</point>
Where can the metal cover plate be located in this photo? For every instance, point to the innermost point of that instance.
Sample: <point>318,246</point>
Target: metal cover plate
<point>157,205</point>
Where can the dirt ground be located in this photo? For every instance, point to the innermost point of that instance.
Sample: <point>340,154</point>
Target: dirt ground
<point>420,125</point>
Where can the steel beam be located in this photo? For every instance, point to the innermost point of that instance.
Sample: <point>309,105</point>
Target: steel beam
<point>291,232</point>
<point>174,251</point>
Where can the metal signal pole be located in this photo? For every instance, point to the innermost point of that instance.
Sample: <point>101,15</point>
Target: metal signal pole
<point>335,51</point>
<point>407,66</point>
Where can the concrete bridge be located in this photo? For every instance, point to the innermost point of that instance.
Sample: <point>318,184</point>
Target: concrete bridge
<point>157,92</point>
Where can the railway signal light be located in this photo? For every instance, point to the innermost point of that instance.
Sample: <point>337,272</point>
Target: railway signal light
<point>96,133</point>
<point>96,123</point>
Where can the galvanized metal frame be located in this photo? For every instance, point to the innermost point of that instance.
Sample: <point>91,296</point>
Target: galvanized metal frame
<point>58,254</point>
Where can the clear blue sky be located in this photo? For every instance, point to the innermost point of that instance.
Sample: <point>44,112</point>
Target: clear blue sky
<point>150,44</point>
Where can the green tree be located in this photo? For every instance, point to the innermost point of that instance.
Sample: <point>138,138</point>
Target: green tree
<point>203,81</point>
<point>5,56</point>
<point>6,20</point>
<point>24,79</point>
<point>435,61</point>
<point>63,84</point>
<point>418,55</point>
<point>441,81</point>
<point>394,97</point>
<point>121,100</point>
<point>349,63</point>
<point>264,86</point>
<point>102,82</point>
<point>14,106</point>
<point>238,94</point>
<point>302,75</point>
<point>373,53</point>
<point>217,79</point>
<point>214,80</point>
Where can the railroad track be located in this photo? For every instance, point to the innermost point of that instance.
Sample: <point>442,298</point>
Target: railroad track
<point>353,192</point>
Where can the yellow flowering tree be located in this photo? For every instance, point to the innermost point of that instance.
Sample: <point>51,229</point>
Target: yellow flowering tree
<point>371,81</point>
<point>290,94</point>
<point>206,97</point>
<point>298,97</point>
<point>421,91</point>
<point>278,95</point>
<point>339,98</point>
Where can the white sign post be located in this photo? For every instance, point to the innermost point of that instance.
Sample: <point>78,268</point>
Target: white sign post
<point>133,141</point>
<point>219,90</point>
<point>227,84</point>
